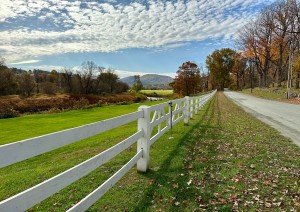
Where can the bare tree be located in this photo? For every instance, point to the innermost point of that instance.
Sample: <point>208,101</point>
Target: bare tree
<point>26,84</point>
<point>67,79</point>
<point>8,82</point>
<point>86,76</point>
<point>281,25</point>
<point>2,61</point>
<point>256,39</point>
<point>109,79</point>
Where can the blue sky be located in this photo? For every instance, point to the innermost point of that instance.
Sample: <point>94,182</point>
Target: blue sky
<point>131,37</point>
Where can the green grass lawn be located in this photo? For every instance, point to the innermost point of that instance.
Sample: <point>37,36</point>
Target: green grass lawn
<point>224,160</point>
<point>29,126</point>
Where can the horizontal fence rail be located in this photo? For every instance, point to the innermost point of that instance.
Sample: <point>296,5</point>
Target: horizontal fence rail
<point>89,200</point>
<point>38,193</point>
<point>153,122</point>
<point>18,151</point>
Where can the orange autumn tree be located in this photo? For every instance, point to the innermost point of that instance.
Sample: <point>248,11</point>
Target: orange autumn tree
<point>188,79</point>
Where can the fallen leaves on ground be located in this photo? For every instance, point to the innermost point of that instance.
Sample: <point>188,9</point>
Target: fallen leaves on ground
<point>233,162</point>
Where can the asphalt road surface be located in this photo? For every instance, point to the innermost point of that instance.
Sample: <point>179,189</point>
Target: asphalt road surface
<point>282,116</point>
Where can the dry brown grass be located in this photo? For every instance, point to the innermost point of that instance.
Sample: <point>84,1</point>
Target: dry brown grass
<point>41,103</point>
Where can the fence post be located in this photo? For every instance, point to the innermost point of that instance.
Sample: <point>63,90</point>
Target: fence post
<point>203,100</point>
<point>200,102</point>
<point>186,111</point>
<point>196,105</point>
<point>144,142</point>
<point>192,108</point>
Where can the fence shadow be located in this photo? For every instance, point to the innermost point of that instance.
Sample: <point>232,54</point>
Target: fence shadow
<point>163,176</point>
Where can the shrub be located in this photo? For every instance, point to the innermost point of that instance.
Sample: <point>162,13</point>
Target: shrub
<point>13,107</point>
<point>140,97</point>
<point>54,110</point>
<point>7,111</point>
<point>81,104</point>
<point>49,88</point>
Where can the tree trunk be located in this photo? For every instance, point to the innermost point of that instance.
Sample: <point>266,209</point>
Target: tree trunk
<point>279,79</point>
<point>261,80</point>
<point>237,81</point>
<point>265,80</point>
<point>297,80</point>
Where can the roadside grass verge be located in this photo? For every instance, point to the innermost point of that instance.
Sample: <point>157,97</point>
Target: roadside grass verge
<point>224,160</point>
<point>239,163</point>
<point>265,93</point>
<point>278,94</point>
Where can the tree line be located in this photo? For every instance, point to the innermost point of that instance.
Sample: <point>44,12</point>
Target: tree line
<point>268,55</point>
<point>268,51</point>
<point>270,44</point>
<point>90,79</point>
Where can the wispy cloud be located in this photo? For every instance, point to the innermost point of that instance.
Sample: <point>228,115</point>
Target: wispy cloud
<point>90,26</point>
<point>25,62</point>
<point>120,73</point>
<point>43,67</point>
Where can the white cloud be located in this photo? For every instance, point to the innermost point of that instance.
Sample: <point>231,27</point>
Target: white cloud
<point>25,62</point>
<point>120,73</point>
<point>103,27</point>
<point>40,67</point>
<point>123,74</point>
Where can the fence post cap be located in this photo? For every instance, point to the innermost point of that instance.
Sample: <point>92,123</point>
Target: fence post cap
<point>143,107</point>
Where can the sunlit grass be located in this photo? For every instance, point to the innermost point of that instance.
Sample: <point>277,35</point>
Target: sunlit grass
<point>29,126</point>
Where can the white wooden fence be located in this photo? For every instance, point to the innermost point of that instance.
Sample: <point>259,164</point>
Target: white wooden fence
<point>153,122</point>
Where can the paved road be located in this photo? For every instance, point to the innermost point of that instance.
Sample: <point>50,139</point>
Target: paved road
<point>282,116</point>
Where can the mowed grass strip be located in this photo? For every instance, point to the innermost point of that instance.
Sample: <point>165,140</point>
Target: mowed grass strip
<point>239,163</point>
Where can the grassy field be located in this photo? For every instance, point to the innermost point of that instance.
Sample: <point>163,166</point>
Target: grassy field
<point>29,126</point>
<point>224,160</point>
<point>160,93</point>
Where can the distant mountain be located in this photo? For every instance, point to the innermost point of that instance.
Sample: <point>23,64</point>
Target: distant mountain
<point>150,80</point>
